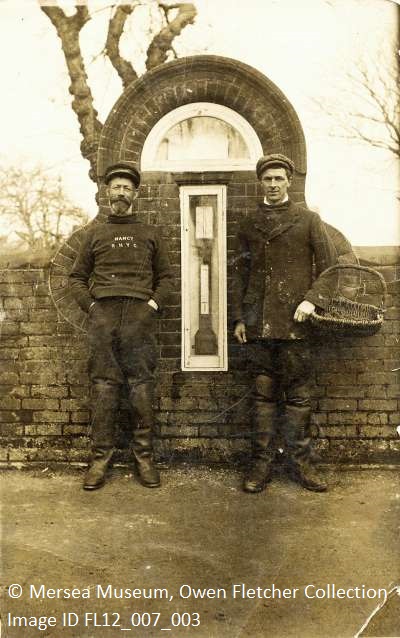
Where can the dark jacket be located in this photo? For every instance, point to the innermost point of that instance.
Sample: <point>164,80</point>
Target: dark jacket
<point>121,258</point>
<point>273,269</point>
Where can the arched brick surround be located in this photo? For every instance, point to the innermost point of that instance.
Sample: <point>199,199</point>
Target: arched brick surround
<point>203,79</point>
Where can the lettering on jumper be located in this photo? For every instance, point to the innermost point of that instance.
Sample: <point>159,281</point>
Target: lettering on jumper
<point>123,241</point>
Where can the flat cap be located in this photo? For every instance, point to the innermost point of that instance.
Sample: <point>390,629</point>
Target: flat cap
<point>275,159</point>
<point>123,169</point>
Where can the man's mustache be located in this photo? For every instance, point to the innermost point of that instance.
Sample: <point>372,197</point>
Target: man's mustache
<point>120,198</point>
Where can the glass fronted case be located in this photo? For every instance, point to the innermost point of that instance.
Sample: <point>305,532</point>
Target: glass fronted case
<point>204,339</point>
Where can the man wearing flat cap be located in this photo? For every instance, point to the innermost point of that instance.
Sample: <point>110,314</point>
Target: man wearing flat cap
<point>121,278</point>
<point>274,292</point>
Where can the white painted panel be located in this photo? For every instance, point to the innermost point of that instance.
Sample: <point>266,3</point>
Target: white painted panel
<point>203,264</point>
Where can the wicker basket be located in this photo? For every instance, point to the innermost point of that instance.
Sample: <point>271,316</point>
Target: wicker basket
<point>347,317</point>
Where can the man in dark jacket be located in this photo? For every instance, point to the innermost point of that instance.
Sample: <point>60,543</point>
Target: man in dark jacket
<point>273,295</point>
<point>121,278</point>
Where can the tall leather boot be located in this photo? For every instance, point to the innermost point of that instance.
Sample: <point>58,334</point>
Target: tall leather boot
<point>259,471</point>
<point>105,402</point>
<point>141,397</point>
<point>96,473</point>
<point>297,420</point>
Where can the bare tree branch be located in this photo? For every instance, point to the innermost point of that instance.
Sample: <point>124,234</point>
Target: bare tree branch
<point>162,42</point>
<point>382,103</point>
<point>68,29</point>
<point>116,25</point>
<point>376,119</point>
<point>81,16</point>
<point>36,207</point>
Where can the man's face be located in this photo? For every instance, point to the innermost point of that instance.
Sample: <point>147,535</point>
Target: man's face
<point>121,192</point>
<point>275,183</point>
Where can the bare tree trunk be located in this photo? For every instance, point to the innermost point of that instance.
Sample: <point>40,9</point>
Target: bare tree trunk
<point>68,29</point>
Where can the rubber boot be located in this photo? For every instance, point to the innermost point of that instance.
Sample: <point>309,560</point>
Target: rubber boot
<point>105,402</point>
<point>141,397</point>
<point>259,471</point>
<point>297,421</point>
<point>96,473</point>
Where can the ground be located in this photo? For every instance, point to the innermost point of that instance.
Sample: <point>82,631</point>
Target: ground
<point>200,531</point>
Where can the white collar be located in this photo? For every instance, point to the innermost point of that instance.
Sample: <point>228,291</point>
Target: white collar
<point>285,199</point>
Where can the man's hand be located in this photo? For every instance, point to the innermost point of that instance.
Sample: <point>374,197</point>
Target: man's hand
<point>153,304</point>
<point>303,311</point>
<point>240,332</point>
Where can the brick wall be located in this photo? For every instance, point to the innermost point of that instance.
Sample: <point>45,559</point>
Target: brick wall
<point>357,390</point>
<point>44,388</point>
<point>40,411</point>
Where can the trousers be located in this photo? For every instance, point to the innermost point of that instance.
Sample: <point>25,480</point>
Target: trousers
<point>281,395</point>
<point>122,349</point>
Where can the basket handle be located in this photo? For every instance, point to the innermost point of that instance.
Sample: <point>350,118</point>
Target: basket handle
<point>358,267</point>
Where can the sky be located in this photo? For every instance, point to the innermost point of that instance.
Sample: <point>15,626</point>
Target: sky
<point>306,48</point>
